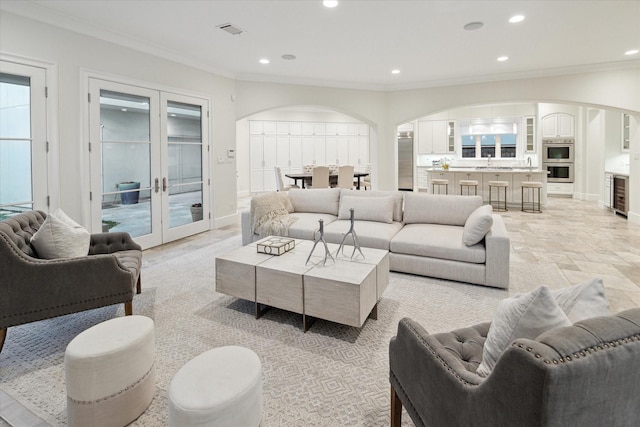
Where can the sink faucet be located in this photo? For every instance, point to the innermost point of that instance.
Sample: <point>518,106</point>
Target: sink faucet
<point>489,160</point>
<point>529,162</point>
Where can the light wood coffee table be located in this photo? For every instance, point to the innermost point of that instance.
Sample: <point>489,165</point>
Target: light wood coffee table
<point>344,291</point>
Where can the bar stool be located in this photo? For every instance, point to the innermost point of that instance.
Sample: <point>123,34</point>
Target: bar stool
<point>468,183</point>
<point>531,206</point>
<point>498,185</point>
<point>440,183</point>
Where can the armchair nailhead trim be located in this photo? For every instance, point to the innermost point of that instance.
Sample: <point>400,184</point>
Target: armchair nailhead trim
<point>582,353</point>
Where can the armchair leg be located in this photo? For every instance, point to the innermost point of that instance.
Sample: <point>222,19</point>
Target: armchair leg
<point>396,409</point>
<point>139,284</point>
<point>3,335</point>
<point>128,308</point>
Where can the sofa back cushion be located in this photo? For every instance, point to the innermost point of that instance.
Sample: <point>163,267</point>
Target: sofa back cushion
<point>379,209</point>
<point>320,200</point>
<point>395,195</point>
<point>439,209</point>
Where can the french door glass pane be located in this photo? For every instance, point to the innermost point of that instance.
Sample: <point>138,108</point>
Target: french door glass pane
<point>16,191</point>
<point>184,132</point>
<point>126,163</point>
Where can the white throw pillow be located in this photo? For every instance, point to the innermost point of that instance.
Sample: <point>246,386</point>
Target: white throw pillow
<point>379,209</point>
<point>521,316</point>
<point>478,225</point>
<point>61,237</point>
<point>583,300</point>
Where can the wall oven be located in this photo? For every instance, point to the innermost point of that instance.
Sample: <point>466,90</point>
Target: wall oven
<point>559,172</point>
<point>557,150</point>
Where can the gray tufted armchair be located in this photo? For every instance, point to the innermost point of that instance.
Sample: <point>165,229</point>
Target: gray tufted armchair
<point>587,374</point>
<point>34,289</point>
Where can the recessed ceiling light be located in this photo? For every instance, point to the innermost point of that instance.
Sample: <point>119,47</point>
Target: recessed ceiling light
<point>264,61</point>
<point>172,115</point>
<point>396,71</point>
<point>516,18</point>
<point>123,109</point>
<point>472,26</point>
<point>632,52</point>
<point>330,3</point>
<point>289,57</point>
<point>502,58</point>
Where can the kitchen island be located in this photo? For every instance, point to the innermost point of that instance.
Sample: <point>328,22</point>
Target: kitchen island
<point>483,174</point>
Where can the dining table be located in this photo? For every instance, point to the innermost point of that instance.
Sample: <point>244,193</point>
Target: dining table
<point>305,177</point>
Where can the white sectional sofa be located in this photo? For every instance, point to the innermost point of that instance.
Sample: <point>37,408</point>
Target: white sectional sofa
<point>449,237</point>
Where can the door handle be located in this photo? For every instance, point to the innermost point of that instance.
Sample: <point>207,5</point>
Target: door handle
<point>157,185</point>
<point>164,184</point>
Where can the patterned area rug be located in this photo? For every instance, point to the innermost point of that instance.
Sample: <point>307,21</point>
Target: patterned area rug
<point>333,375</point>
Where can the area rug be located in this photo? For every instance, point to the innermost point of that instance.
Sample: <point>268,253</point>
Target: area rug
<point>333,375</point>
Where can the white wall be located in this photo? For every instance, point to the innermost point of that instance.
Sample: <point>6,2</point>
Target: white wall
<point>74,53</point>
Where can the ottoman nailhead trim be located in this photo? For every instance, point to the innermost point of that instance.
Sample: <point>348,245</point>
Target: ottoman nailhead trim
<point>90,402</point>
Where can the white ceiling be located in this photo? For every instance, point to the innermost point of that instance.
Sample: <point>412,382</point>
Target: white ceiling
<point>358,43</point>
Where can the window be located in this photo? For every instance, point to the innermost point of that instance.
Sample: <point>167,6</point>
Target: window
<point>508,145</point>
<point>469,146</point>
<point>496,138</point>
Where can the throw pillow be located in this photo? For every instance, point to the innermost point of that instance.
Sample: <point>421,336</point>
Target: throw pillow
<point>379,209</point>
<point>583,300</point>
<point>477,225</point>
<point>61,237</point>
<point>521,316</point>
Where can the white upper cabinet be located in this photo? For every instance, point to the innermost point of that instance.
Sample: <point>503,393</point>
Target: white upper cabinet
<point>559,125</point>
<point>283,128</point>
<point>433,137</point>
<point>256,127</point>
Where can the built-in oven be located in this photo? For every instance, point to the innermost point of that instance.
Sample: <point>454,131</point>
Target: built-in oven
<point>559,172</point>
<point>557,150</point>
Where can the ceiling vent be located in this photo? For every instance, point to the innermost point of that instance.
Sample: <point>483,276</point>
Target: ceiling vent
<point>231,29</point>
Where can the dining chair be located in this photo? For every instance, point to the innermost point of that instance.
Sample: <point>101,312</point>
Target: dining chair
<point>345,177</point>
<point>365,181</point>
<point>320,177</point>
<point>280,183</point>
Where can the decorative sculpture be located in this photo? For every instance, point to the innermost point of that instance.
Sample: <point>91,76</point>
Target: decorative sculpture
<point>320,238</point>
<point>352,232</point>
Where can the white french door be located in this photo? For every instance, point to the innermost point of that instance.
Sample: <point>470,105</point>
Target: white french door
<point>23,139</point>
<point>149,162</point>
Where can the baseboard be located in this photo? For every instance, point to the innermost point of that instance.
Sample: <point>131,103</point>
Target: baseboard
<point>633,218</point>
<point>226,220</point>
<point>587,196</point>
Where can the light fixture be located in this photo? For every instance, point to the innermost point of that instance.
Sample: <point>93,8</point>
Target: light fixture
<point>632,52</point>
<point>396,71</point>
<point>172,115</point>
<point>264,61</point>
<point>330,3</point>
<point>123,109</point>
<point>516,18</point>
<point>502,58</point>
<point>472,26</point>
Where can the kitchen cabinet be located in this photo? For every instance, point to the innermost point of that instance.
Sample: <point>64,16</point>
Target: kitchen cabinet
<point>433,137</point>
<point>529,134</point>
<point>423,179</point>
<point>626,132</point>
<point>608,195</point>
<point>559,125</point>
<point>263,159</point>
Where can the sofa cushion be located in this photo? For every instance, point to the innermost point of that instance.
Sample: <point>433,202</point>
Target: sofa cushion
<point>436,241</point>
<point>521,316</point>
<point>61,237</point>
<point>396,195</point>
<point>478,225</point>
<point>320,200</point>
<point>307,224</point>
<point>379,209</point>
<point>439,209</point>
<point>370,234</point>
<point>583,300</point>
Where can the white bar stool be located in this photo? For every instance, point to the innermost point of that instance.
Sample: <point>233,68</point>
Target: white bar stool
<point>498,184</point>
<point>440,183</point>
<point>532,206</point>
<point>468,183</point>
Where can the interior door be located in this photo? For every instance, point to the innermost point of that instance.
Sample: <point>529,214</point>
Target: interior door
<point>23,143</point>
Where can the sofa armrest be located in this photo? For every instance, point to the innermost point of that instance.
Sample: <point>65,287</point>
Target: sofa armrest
<point>245,224</point>
<point>497,246</point>
<point>428,378</point>
<point>108,243</point>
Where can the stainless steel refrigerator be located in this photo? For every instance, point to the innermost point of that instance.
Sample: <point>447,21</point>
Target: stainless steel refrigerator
<point>405,161</point>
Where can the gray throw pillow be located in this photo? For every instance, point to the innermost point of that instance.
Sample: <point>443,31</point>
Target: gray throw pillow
<point>61,237</point>
<point>477,225</point>
<point>521,316</point>
<point>583,300</point>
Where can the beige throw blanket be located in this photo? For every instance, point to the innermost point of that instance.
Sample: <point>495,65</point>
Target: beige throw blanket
<point>270,216</point>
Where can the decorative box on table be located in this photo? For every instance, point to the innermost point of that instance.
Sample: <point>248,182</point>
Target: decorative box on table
<point>275,245</point>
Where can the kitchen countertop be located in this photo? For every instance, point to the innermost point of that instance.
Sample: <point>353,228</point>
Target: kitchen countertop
<point>486,169</point>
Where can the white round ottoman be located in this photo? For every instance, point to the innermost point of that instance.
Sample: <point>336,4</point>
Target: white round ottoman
<point>110,372</point>
<point>221,387</point>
